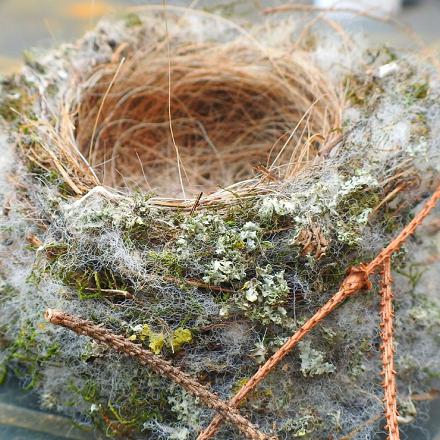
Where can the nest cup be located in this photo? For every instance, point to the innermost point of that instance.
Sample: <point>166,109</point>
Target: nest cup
<point>184,117</point>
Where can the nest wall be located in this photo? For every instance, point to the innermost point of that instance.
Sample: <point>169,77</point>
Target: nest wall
<point>311,149</point>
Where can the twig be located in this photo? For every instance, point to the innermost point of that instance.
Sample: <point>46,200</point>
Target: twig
<point>158,365</point>
<point>354,282</point>
<point>266,173</point>
<point>112,292</point>
<point>387,348</point>
<point>405,233</point>
<point>390,196</point>
<point>196,203</point>
<point>357,279</point>
<point>198,283</point>
<point>430,395</point>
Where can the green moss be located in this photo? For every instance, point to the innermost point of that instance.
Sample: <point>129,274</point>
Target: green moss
<point>50,178</point>
<point>6,291</point>
<point>88,392</point>
<point>10,108</point>
<point>413,273</point>
<point>168,261</point>
<point>124,414</point>
<point>391,221</point>
<point>132,20</point>
<point>418,90</point>
<point>88,283</point>
<point>26,355</point>
<point>3,373</point>
<point>14,100</point>
<point>121,419</point>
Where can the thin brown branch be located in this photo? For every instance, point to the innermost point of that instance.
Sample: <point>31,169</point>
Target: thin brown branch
<point>408,230</point>
<point>387,348</point>
<point>111,292</point>
<point>198,283</point>
<point>196,203</point>
<point>158,365</point>
<point>357,279</point>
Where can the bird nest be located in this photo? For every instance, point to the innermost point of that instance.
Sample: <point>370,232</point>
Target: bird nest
<point>191,192</point>
<point>181,117</point>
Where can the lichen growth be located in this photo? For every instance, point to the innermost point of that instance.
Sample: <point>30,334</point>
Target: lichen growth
<point>262,298</point>
<point>312,361</point>
<point>157,340</point>
<point>231,245</point>
<point>302,426</point>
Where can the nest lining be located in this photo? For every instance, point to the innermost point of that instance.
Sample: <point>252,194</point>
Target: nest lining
<point>204,118</point>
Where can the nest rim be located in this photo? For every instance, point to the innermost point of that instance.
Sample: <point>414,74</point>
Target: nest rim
<point>72,161</point>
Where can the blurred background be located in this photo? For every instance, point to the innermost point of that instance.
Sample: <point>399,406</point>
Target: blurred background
<point>46,23</point>
<point>25,24</point>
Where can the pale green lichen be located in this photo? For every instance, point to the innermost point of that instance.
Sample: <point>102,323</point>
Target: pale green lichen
<point>259,353</point>
<point>273,205</point>
<point>359,182</point>
<point>349,200</point>
<point>426,314</point>
<point>302,426</point>
<point>230,246</point>
<point>312,361</point>
<point>222,271</point>
<point>407,410</point>
<point>186,408</point>
<point>263,297</point>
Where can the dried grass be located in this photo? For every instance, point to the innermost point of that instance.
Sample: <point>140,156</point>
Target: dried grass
<point>201,117</point>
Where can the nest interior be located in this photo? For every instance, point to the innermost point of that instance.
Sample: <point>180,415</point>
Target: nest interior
<point>201,117</point>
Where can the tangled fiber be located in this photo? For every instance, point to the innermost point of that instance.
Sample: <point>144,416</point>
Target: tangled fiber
<point>195,190</point>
